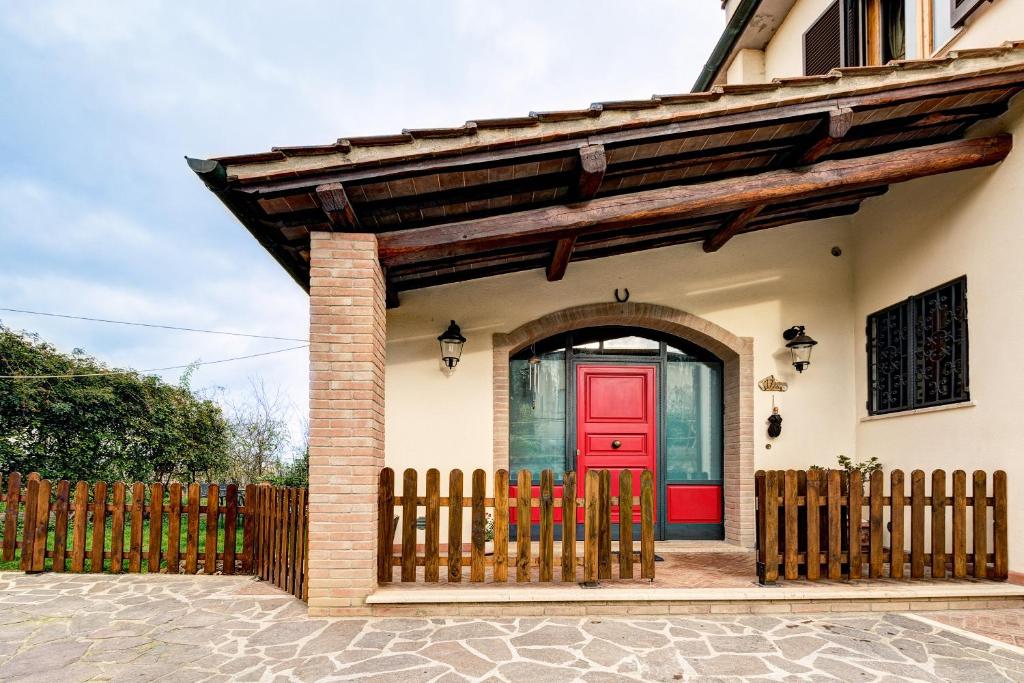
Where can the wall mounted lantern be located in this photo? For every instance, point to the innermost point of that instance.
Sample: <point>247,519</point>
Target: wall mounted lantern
<point>451,346</point>
<point>799,345</point>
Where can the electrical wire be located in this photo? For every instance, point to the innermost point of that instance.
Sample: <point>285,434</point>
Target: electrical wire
<point>153,325</point>
<point>170,367</point>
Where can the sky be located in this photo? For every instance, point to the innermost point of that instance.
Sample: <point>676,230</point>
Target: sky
<point>100,102</point>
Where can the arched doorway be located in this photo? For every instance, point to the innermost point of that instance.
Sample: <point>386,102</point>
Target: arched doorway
<point>616,398</point>
<point>737,386</point>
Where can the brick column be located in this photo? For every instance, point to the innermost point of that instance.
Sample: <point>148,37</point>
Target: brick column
<point>347,331</point>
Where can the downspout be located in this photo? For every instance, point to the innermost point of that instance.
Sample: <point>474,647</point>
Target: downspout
<point>733,30</point>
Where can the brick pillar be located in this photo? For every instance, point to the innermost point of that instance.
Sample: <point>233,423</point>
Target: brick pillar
<point>347,331</point>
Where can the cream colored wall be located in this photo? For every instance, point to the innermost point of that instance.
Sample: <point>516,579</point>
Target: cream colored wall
<point>993,24</point>
<point>757,285</point>
<point>747,67</point>
<point>784,54</point>
<point>922,234</point>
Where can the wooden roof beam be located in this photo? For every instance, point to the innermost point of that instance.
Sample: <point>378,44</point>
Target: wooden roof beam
<point>732,227</point>
<point>834,129</point>
<point>335,203</point>
<point>651,207</point>
<point>593,165</point>
<point>560,258</point>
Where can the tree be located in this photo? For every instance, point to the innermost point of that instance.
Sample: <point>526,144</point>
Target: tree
<point>123,426</point>
<point>259,434</point>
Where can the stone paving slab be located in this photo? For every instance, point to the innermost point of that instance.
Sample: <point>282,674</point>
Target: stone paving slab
<point>158,627</point>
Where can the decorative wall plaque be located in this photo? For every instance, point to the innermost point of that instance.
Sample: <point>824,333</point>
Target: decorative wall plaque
<point>769,383</point>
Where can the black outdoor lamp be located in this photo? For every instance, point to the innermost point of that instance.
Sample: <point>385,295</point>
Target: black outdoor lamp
<point>799,345</point>
<point>451,345</point>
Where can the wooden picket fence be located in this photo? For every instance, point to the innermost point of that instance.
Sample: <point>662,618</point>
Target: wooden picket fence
<point>281,538</point>
<point>810,525</point>
<point>53,526</point>
<point>597,502</point>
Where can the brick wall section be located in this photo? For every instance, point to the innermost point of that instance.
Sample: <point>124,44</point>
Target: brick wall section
<point>347,331</point>
<point>736,353</point>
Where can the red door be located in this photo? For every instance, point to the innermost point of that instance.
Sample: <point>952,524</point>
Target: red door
<point>616,426</point>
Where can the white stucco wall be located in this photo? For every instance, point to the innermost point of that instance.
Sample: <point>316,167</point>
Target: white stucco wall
<point>922,234</point>
<point>757,286</point>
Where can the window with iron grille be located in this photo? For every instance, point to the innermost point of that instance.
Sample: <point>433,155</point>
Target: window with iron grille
<point>917,351</point>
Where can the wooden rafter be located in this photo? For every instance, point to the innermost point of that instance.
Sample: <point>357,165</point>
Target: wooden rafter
<point>732,227</point>
<point>839,123</point>
<point>593,165</point>
<point>560,258</point>
<point>651,207</point>
<point>338,208</point>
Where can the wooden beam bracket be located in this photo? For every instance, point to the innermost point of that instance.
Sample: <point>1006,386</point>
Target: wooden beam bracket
<point>593,165</point>
<point>335,203</point>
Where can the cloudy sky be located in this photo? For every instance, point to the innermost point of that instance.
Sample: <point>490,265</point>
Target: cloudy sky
<point>100,101</point>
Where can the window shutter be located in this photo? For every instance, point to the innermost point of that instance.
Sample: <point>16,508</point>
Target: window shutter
<point>852,32</point>
<point>823,42</point>
<point>961,9</point>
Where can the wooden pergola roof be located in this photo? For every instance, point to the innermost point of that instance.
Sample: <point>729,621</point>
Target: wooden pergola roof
<point>541,191</point>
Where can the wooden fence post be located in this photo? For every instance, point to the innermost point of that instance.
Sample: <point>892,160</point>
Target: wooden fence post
<point>135,550</point>
<point>1000,536</point>
<point>604,548</point>
<point>647,525</point>
<point>591,521</point>
<point>409,490</point>
<point>41,529</point>
<point>60,526</point>
<point>80,528</point>
<point>117,528</point>
<point>500,526</point>
<point>569,527</point>
<point>248,530</point>
<point>876,524</point>
<point>771,526</point>
<point>959,524</point>
<point>455,526</point>
<point>546,536</point>
<point>174,527</point>
<point>192,536</point>
<point>13,503</point>
<point>212,526</point>
<point>524,518</point>
<point>478,527</point>
<point>812,499</point>
<point>230,529</point>
<point>432,536</point>
<point>99,524</point>
<point>28,524</point>
<point>938,524</point>
<point>156,526</point>
<point>385,513</point>
<point>979,518</point>
<point>625,524</point>
<point>791,517</point>
<point>897,552</point>
<point>855,499</point>
<point>917,524</point>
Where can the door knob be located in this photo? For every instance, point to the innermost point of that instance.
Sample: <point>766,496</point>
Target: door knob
<point>616,444</point>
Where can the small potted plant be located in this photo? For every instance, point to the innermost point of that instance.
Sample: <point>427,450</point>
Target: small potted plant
<point>848,466</point>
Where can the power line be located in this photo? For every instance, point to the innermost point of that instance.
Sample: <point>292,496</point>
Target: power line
<point>154,325</point>
<point>170,367</point>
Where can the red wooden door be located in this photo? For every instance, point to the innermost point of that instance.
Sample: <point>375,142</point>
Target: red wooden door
<point>616,423</point>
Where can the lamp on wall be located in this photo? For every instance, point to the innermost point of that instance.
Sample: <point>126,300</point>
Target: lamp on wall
<point>799,345</point>
<point>451,346</point>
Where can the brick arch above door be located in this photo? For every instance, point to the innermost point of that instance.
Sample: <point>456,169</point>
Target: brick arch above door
<point>735,352</point>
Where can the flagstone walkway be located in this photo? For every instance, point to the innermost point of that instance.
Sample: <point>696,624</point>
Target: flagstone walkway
<point>141,628</point>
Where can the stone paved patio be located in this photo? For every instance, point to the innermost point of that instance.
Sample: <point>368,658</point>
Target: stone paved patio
<point>84,627</point>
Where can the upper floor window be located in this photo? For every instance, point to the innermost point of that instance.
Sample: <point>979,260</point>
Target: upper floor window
<point>872,32</point>
<point>917,351</point>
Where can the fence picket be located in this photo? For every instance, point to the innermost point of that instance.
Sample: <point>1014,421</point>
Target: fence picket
<point>432,537</point>
<point>875,525</point>
<point>897,552</point>
<point>770,533</point>
<point>192,534</point>
<point>812,567</point>
<point>13,503</point>
<point>455,526</point>
<point>835,532</point>
<point>604,538</point>
<point>29,524</point>
<point>791,515</point>
<point>478,527</point>
<point>212,526</point>
<point>855,497</point>
<point>117,529</point>
<point>60,526</point>
<point>501,570</point>
<point>99,523</point>
<point>647,525</point>
<point>591,520</point>
<point>1000,535</point>
<point>156,527</point>
<point>938,524</point>
<point>524,518</point>
<point>385,512</point>
<point>547,525</point>
<point>230,529</point>
<point>138,504</point>
<point>626,524</point>
<point>81,525</point>
<point>409,487</point>
<point>41,528</point>
<point>249,529</point>
<point>959,524</point>
<point>174,528</point>
<point>979,519</point>
<point>568,527</point>
<point>917,524</point>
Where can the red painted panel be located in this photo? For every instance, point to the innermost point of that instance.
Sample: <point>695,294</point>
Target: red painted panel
<point>694,504</point>
<point>616,403</point>
<point>513,491</point>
